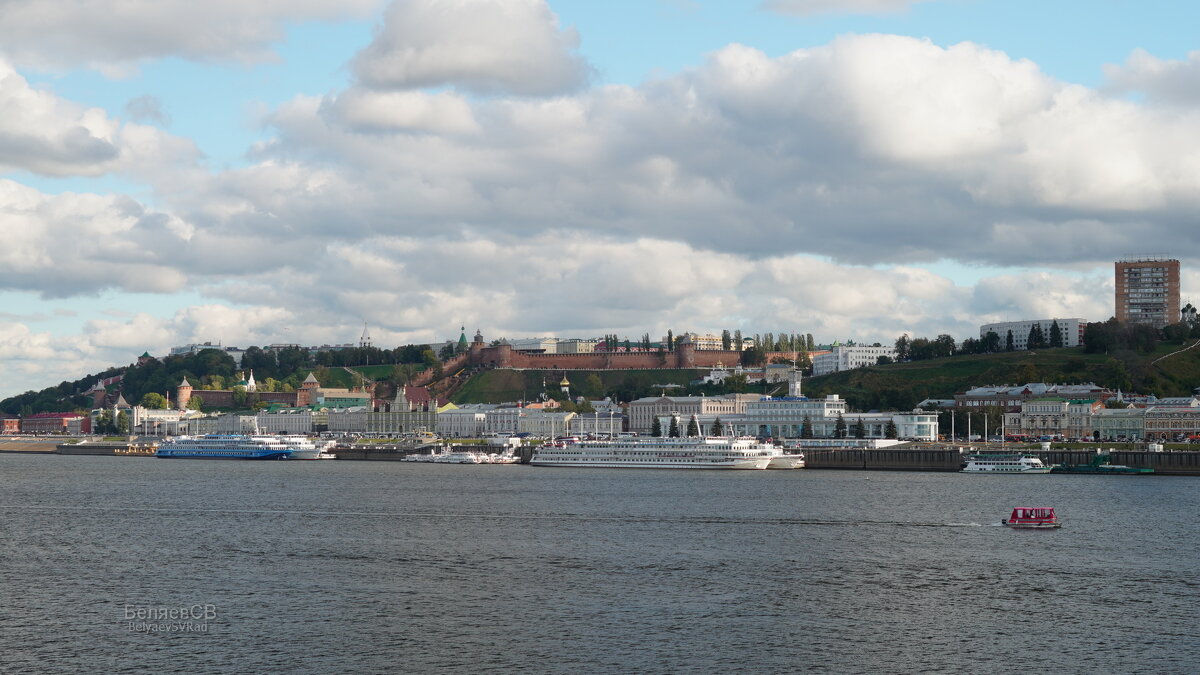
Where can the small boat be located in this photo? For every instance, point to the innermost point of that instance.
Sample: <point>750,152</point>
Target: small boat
<point>1033,518</point>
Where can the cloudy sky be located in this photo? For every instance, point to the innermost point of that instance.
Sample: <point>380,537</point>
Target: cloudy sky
<point>286,170</point>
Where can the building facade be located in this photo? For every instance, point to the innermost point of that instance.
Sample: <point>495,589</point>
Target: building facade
<point>643,411</point>
<point>1054,417</point>
<point>784,417</point>
<point>56,423</point>
<point>1010,398</point>
<point>1071,331</point>
<point>1147,291</point>
<point>845,357</point>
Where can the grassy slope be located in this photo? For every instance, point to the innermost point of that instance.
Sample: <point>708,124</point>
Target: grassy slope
<point>904,384</point>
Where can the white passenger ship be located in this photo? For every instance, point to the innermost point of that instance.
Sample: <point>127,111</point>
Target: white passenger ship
<point>1004,464</point>
<point>659,453</point>
<point>239,446</point>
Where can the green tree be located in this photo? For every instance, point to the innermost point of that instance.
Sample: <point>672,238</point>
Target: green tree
<point>693,428</point>
<point>903,348</point>
<point>726,340</point>
<point>592,385</point>
<point>891,431</point>
<point>1055,335</point>
<point>195,403</point>
<point>715,429</point>
<point>839,428</point>
<point>1008,342</point>
<point>806,428</point>
<point>1035,340</point>
<point>991,342</point>
<point>656,427</point>
<point>738,341</point>
<point>670,340</point>
<point>122,422</point>
<point>154,400</point>
<point>105,424</point>
<point>239,396</point>
<point>673,432</point>
<point>860,429</point>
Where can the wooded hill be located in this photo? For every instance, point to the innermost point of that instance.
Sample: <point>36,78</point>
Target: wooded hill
<point>274,370</point>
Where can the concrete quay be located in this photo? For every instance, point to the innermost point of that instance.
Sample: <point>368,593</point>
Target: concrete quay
<point>108,449</point>
<point>951,458</point>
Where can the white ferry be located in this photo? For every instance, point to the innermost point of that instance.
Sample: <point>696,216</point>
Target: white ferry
<point>658,453</point>
<point>785,460</point>
<point>1004,464</point>
<point>238,446</point>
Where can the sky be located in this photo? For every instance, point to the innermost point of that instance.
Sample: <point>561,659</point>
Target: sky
<point>252,173</point>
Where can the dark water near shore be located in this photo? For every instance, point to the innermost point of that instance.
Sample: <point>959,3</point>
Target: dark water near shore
<point>328,567</point>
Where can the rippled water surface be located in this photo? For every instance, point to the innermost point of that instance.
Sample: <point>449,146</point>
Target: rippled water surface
<point>328,567</point>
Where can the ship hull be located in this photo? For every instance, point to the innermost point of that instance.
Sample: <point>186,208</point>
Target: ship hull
<point>200,454</point>
<point>752,464</point>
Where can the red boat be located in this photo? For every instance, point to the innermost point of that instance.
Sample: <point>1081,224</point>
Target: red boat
<point>1032,517</point>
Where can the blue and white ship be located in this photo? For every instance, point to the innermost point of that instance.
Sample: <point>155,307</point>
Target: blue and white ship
<point>238,446</point>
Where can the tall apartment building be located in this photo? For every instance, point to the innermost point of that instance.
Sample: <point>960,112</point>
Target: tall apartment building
<point>1147,291</point>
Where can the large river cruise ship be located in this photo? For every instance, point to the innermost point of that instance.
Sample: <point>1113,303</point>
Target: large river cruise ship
<point>238,446</point>
<point>658,453</point>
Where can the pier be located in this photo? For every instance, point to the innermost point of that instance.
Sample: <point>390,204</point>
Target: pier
<point>950,458</point>
<point>108,448</point>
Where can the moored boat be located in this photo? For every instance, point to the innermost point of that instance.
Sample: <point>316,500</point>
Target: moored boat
<point>1003,464</point>
<point>658,453</point>
<point>786,460</point>
<point>1101,465</point>
<point>1033,518</point>
<point>237,446</point>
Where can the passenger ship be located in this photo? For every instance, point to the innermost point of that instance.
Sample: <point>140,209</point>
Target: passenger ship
<point>238,446</point>
<point>1004,464</point>
<point>658,453</point>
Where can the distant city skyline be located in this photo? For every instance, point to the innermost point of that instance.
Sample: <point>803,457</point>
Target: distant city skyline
<point>256,173</point>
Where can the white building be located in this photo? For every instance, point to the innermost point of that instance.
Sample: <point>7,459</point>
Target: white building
<point>464,422</point>
<point>1071,329</point>
<point>544,345</point>
<point>291,420</point>
<point>707,341</point>
<point>576,346</point>
<point>844,357</point>
<point>597,423</point>
<point>643,411</point>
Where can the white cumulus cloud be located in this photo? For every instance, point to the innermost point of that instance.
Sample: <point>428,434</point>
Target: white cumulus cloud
<point>489,46</point>
<point>111,34</point>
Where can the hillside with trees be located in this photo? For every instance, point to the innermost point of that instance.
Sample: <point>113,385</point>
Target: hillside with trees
<point>150,383</point>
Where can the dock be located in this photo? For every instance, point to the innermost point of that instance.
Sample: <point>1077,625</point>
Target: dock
<point>950,458</point>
